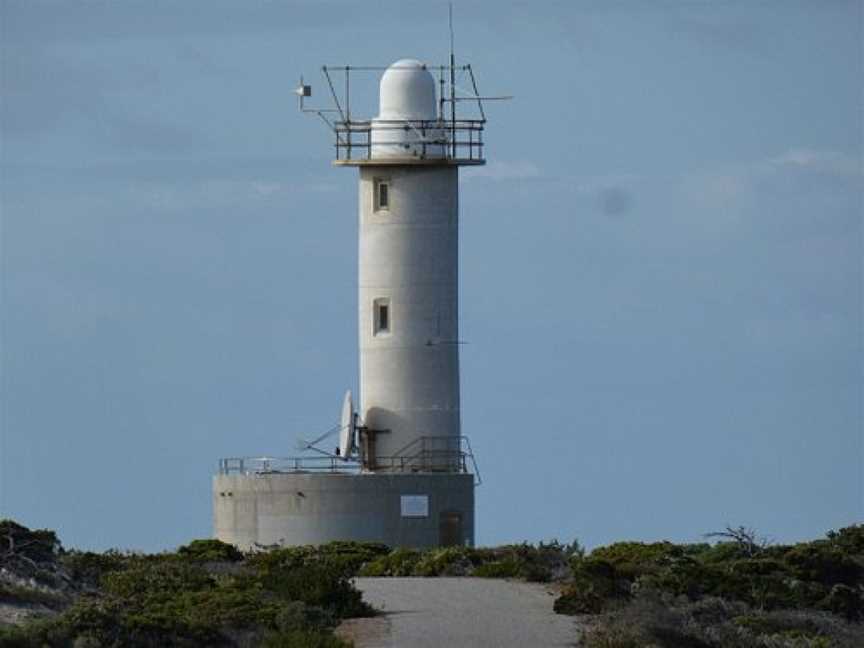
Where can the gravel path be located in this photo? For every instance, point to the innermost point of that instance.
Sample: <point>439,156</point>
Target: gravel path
<point>459,612</point>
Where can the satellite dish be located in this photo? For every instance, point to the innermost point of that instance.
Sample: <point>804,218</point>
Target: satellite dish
<point>346,431</point>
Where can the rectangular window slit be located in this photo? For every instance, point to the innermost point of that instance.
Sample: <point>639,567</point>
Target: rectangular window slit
<point>382,195</point>
<point>381,309</point>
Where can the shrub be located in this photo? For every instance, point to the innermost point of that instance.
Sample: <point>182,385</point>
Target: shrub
<point>317,585</point>
<point>507,568</point>
<point>158,580</point>
<point>449,561</point>
<point>88,568</point>
<point>347,557</point>
<point>303,639</point>
<point>38,546</point>
<point>205,594</point>
<point>850,539</point>
<point>210,551</point>
<point>647,620</point>
<point>542,563</point>
<point>730,595</point>
<point>16,594</point>
<point>823,562</point>
<point>845,601</point>
<point>545,562</point>
<point>399,562</point>
<point>634,559</point>
<point>596,586</point>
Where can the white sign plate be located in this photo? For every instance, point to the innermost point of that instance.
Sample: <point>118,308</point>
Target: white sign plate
<point>415,506</point>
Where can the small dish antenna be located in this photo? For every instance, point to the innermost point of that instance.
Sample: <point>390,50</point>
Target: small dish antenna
<point>348,425</point>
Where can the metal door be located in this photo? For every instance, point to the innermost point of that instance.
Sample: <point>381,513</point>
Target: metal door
<point>450,529</point>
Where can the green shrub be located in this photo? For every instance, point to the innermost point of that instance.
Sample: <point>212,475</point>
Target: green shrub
<point>506,568</point>
<point>157,580</point>
<point>823,562</point>
<point>210,550</point>
<point>575,600</point>
<point>317,585</point>
<point>399,562</point>
<point>167,602</point>
<point>647,620</point>
<point>448,561</point>
<point>849,539</point>
<point>38,546</point>
<point>347,557</point>
<point>38,633</point>
<point>19,595</point>
<point>544,562</point>
<point>596,586</point>
<point>303,639</point>
<point>634,559</point>
<point>823,575</point>
<point>88,568</point>
<point>763,624</point>
<point>845,601</point>
<point>205,594</point>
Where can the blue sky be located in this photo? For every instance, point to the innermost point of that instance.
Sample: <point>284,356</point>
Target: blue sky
<point>661,264</point>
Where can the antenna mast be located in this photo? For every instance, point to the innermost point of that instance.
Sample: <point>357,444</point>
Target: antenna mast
<point>452,87</point>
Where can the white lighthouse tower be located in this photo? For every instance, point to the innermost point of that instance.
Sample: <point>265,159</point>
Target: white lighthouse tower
<point>409,270</point>
<point>403,473</point>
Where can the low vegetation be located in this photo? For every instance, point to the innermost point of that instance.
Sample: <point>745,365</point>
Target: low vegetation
<point>207,593</point>
<point>738,592</point>
<point>540,563</point>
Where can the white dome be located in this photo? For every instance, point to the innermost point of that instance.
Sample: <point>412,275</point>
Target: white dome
<point>407,92</point>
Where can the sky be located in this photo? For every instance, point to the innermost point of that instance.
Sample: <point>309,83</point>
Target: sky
<point>661,262</point>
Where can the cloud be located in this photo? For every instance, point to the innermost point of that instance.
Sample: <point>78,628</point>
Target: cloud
<point>725,184</point>
<point>214,193</point>
<point>802,191</point>
<point>822,162</point>
<point>708,27</point>
<point>498,171</point>
<point>263,188</point>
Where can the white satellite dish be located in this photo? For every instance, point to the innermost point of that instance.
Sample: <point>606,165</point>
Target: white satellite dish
<point>346,431</point>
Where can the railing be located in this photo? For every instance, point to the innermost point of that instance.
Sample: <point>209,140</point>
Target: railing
<point>459,140</point>
<point>270,465</point>
<point>428,454</point>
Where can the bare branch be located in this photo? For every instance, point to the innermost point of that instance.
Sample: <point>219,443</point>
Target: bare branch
<point>745,537</point>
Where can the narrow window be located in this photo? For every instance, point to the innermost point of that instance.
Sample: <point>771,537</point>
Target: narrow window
<point>383,317</point>
<point>381,309</point>
<point>382,195</point>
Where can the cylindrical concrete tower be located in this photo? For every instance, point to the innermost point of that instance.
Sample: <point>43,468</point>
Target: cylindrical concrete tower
<point>408,274</point>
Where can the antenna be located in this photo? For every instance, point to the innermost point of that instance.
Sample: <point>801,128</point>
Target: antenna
<point>441,135</point>
<point>452,86</point>
<point>450,5</point>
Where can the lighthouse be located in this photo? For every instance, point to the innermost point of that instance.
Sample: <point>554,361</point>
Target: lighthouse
<point>408,269</point>
<point>402,473</point>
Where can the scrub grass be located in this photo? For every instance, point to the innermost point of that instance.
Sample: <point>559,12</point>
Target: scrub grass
<point>735,593</point>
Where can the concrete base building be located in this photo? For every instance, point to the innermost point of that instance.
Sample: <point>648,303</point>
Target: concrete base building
<point>419,510</point>
<point>403,475</point>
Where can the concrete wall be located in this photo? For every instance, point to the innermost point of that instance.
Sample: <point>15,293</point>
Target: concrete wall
<point>409,377</point>
<point>298,509</point>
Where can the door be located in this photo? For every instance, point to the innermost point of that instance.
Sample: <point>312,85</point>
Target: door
<point>450,529</point>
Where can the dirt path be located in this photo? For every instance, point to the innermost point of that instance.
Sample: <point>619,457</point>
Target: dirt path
<point>459,612</point>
